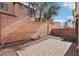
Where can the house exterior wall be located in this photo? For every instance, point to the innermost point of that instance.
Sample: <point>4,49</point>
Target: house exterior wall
<point>11,8</point>
<point>7,14</point>
<point>77,8</point>
<point>78,18</point>
<point>7,20</point>
<point>0,29</point>
<point>21,11</point>
<point>8,8</point>
<point>14,12</point>
<point>11,16</point>
<point>78,25</point>
<point>77,22</point>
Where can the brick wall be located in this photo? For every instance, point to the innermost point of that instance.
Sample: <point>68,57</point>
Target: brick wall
<point>24,29</point>
<point>15,28</point>
<point>63,32</point>
<point>21,10</point>
<point>20,30</point>
<point>0,28</point>
<point>7,20</point>
<point>77,23</point>
<point>10,8</point>
<point>20,27</point>
<point>78,37</point>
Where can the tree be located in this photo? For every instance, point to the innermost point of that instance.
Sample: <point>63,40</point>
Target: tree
<point>42,10</point>
<point>51,11</point>
<point>33,4</point>
<point>38,8</point>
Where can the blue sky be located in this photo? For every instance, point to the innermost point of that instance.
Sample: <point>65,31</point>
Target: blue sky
<point>65,12</point>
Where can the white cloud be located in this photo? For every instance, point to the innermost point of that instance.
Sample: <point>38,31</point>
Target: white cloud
<point>71,17</point>
<point>59,20</point>
<point>71,5</point>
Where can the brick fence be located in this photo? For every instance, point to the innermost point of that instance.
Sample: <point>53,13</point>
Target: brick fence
<point>64,32</point>
<point>20,30</point>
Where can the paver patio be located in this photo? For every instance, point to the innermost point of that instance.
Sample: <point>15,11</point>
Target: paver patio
<point>49,47</point>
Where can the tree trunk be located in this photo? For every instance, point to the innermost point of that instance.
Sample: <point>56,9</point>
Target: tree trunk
<point>40,15</point>
<point>35,17</point>
<point>34,12</point>
<point>47,29</point>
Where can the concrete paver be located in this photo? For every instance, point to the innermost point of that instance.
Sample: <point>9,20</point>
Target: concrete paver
<point>49,47</point>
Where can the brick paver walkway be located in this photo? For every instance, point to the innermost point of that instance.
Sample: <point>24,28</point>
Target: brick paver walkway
<point>8,52</point>
<point>44,46</point>
<point>49,47</point>
<point>10,49</point>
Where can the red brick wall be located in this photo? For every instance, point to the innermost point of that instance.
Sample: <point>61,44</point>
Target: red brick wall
<point>24,29</point>
<point>63,32</point>
<point>0,28</point>
<point>21,10</point>
<point>77,8</point>
<point>19,30</point>
<point>10,8</point>
<point>7,20</point>
<point>24,32</point>
<point>16,9</point>
<point>77,25</point>
<point>10,30</point>
<point>78,36</point>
